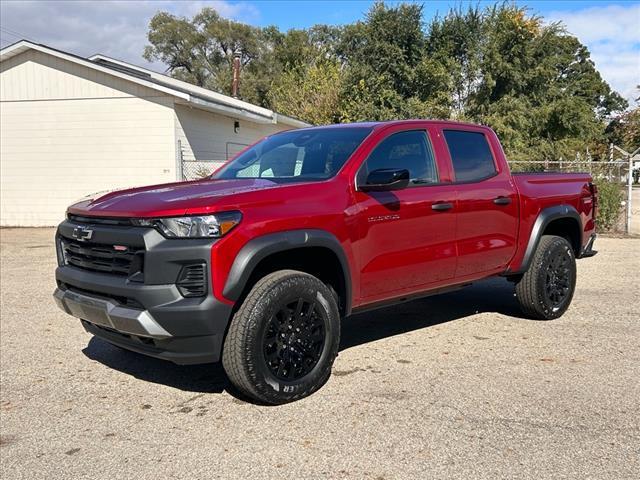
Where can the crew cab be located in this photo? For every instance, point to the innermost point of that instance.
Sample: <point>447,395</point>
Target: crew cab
<point>259,263</point>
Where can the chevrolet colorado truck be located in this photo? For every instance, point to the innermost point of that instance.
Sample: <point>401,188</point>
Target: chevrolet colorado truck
<point>257,264</point>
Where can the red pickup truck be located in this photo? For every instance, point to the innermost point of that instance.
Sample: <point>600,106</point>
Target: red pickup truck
<point>257,264</point>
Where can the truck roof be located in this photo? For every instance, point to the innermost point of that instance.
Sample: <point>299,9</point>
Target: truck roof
<point>377,125</point>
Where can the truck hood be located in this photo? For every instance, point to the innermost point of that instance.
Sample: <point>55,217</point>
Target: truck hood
<point>171,199</point>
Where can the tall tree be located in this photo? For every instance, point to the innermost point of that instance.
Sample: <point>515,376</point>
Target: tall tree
<point>531,81</point>
<point>311,92</point>
<point>387,75</point>
<point>201,50</point>
<point>535,84</point>
<point>624,130</point>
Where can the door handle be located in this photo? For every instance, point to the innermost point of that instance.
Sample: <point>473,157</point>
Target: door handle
<point>442,206</point>
<point>502,201</point>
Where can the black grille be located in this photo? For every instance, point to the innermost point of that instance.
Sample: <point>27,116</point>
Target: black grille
<point>192,281</point>
<point>103,257</point>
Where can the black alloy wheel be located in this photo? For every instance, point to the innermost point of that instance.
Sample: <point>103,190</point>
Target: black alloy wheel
<point>558,279</point>
<point>294,339</point>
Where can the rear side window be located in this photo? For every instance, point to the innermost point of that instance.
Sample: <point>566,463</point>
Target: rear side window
<point>470,154</point>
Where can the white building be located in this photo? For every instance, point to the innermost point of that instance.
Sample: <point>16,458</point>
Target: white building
<point>72,126</point>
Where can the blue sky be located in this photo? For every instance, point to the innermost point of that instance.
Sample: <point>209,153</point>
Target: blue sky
<point>118,28</point>
<point>292,14</point>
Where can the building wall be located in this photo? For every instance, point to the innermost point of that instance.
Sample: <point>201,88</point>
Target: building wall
<point>208,139</point>
<point>67,131</point>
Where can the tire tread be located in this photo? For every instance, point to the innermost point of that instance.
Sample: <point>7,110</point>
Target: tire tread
<point>236,358</point>
<point>527,291</point>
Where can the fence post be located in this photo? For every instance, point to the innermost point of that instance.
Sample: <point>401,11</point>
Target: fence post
<point>611,152</point>
<point>629,157</point>
<point>179,164</point>
<point>629,193</point>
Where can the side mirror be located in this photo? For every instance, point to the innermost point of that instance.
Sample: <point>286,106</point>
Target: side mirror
<point>386,179</point>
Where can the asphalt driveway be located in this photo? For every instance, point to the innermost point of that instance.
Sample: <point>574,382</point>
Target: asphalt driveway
<point>455,386</point>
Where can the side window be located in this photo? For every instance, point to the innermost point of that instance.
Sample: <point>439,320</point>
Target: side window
<point>470,154</point>
<point>410,150</point>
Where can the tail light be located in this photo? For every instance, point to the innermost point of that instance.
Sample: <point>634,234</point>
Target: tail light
<point>594,198</point>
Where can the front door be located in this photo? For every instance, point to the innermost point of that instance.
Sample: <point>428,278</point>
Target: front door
<point>405,243</point>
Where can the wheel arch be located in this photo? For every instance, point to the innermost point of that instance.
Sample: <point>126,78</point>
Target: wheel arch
<point>561,220</point>
<point>314,251</point>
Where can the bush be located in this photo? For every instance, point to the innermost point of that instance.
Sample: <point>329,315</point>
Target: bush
<point>609,204</point>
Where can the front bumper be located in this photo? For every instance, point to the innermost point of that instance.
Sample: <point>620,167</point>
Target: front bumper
<point>145,312</point>
<point>108,314</point>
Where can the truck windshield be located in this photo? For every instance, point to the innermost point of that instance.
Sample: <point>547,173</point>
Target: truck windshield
<point>315,154</point>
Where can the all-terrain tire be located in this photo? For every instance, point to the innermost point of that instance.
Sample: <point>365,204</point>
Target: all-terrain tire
<point>546,289</point>
<point>271,304</point>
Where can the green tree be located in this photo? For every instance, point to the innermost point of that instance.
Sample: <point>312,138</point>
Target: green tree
<point>624,130</point>
<point>310,93</point>
<point>455,43</point>
<point>174,42</point>
<point>531,81</point>
<point>201,50</point>
<point>387,75</point>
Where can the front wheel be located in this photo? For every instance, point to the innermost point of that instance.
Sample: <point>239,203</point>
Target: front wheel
<point>546,289</point>
<point>284,338</point>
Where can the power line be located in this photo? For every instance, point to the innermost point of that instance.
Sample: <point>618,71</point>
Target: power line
<point>15,34</point>
<point>8,30</point>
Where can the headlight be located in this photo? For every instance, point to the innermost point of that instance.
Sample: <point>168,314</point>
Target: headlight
<point>200,226</point>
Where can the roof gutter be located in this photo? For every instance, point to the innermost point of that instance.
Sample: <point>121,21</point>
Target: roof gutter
<point>228,111</point>
<point>273,119</point>
<point>292,122</point>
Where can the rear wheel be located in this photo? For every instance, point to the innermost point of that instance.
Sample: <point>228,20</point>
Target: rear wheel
<point>546,289</point>
<point>284,338</point>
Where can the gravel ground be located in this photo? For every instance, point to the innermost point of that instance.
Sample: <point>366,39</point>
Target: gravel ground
<point>455,386</point>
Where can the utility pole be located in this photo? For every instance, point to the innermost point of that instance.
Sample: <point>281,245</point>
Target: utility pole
<point>235,83</point>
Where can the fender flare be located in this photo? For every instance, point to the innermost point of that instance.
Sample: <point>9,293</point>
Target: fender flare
<point>545,217</point>
<point>261,247</point>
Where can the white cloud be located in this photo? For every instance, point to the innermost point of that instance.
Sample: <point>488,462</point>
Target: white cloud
<point>612,34</point>
<point>117,29</point>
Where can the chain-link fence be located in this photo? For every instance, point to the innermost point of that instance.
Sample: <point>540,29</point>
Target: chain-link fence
<point>614,184</point>
<point>194,167</point>
<point>616,171</point>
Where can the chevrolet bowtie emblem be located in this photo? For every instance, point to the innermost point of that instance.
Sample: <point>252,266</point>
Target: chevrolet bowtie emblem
<point>83,234</point>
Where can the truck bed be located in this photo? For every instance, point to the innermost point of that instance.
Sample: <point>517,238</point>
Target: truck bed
<point>539,190</point>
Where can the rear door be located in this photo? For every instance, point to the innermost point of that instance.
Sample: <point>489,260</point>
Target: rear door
<point>405,243</point>
<point>487,223</point>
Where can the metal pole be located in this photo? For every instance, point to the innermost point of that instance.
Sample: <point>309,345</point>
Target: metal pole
<point>179,163</point>
<point>630,157</point>
<point>629,193</point>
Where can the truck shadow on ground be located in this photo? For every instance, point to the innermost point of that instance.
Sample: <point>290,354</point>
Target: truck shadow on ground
<point>494,295</point>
